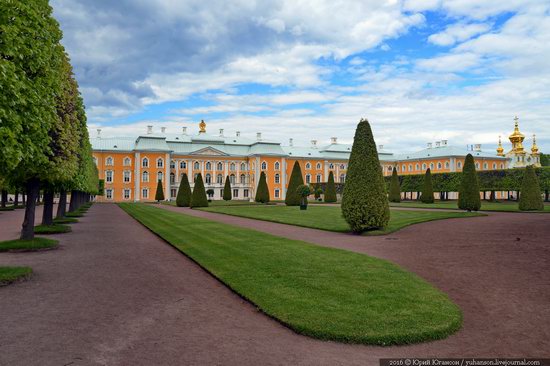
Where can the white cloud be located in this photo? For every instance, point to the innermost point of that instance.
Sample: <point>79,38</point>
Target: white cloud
<point>458,32</point>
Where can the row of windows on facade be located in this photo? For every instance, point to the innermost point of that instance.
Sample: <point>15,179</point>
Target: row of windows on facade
<point>109,161</point>
<point>244,179</point>
<point>439,166</point>
<point>126,193</point>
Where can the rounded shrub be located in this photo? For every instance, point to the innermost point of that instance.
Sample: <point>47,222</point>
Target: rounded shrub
<point>395,189</point>
<point>292,197</point>
<point>530,198</point>
<point>427,188</point>
<point>330,191</point>
<point>468,194</point>
<point>183,198</point>
<point>198,197</point>
<point>364,202</point>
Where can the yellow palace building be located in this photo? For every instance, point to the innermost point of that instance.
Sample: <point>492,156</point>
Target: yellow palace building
<point>132,166</point>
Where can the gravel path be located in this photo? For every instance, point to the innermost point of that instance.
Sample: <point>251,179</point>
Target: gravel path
<point>115,294</point>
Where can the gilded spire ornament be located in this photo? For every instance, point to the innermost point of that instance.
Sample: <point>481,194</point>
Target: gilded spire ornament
<point>516,138</point>
<point>500,149</point>
<point>202,127</point>
<point>534,148</point>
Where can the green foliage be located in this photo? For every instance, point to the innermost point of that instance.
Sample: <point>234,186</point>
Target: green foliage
<point>330,190</point>
<point>530,198</point>
<point>468,195</point>
<point>198,198</point>
<point>544,159</point>
<point>292,198</point>
<point>183,198</point>
<point>13,274</point>
<point>317,191</point>
<point>262,191</point>
<point>364,202</point>
<point>227,189</point>
<point>52,229</point>
<point>427,189</point>
<point>159,194</point>
<point>27,245</point>
<point>395,189</point>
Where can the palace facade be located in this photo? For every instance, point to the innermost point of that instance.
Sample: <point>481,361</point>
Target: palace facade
<point>132,166</point>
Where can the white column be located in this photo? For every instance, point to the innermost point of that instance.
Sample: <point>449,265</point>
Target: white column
<point>190,171</point>
<point>326,171</point>
<point>137,176</point>
<point>283,178</point>
<point>168,193</point>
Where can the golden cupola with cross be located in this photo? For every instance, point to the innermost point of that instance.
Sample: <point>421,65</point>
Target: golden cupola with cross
<point>518,156</point>
<point>516,138</point>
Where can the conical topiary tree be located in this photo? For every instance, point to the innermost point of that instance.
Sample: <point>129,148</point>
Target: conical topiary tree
<point>364,201</point>
<point>227,189</point>
<point>198,198</point>
<point>184,193</point>
<point>292,197</point>
<point>395,188</point>
<point>468,194</point>
<point>330,191</point>
<point>427,188</point>
<point>262,192</point>
<point>159,195</point>
<point>530,198</point>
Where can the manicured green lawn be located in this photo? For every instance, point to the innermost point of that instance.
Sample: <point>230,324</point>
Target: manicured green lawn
<point>76,213</point>
<point>52,229</point>
<point>330,217</point>
<point>24,245</point>
<point>325,293</point>
<point>485,206</point>
<point>222,203</point>
<point>12,274</point>
<point>66,220</point>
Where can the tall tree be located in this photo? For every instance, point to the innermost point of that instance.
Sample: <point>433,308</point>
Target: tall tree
<point>468,195</point>
<point>395,188</point>
<point>292,197</point>
<point>262,191</point>
<point>198,198</point>
<point>29,82</point>
<point>227,189</point>
<point>184,192</point>
<point>159,194</point>
<point>330,191</point>
<point>427,188</point>
<point>530,198</point>
<point>364,201</point>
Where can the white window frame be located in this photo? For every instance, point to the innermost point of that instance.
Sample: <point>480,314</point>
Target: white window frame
<point>109,161</point>
<point>145,177</point>
<point>109,176</point>
<point>109,194</point>
<point>160,163</point>
<point>264,165</point>
<point>126,193</point>
<point>127,176</point>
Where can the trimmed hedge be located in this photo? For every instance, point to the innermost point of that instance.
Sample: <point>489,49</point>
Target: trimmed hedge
<point>262,192</point>
<point>330,190</point>
<point>198,198</point>
<point>530,198</point>
<point>183,199</point>
<point>292,197</point>
<point>395,189</point>
<point>159,195</point>
<point>227,189</point>
<point>468,195</point>
<point>427,188</point>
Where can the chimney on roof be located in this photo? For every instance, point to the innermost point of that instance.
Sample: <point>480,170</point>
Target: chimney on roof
<point>477,147</point>
<point>238,133</point>
<point>334,140</point>
<point>291,142</point>
<point>429,145</point>
<point>149,129</point>
<point>259,136</point>
<point>184,130</point>
<point>438,144</point>
<point>380,147</point>
<point>163,129</point>
<point>221,132</point>
<point>99,133</point>
<point>443,142</point>
<point>314,144</point>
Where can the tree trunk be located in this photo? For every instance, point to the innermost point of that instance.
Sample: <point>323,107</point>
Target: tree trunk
<point>33,190</point>
<point>24,198</point>
<point>16,199</point>
<point>546,195</point>
<point>47,213</point>
<point>62,206</point>
<point>72,204</point>
<point>4,198</point>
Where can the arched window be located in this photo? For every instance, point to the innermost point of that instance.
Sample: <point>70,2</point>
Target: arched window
<point>308,165</point>
<point>145,163</point>
<point>109,161</point>
<point>277,165</point>
<point>219,179</point>
<point>410,168</point>
<point>477,166</point>
<point>160,176</point>
<point>318,166</point>
<point>208,166</point>
<point>417,167</point>
<point>183,165</point>
<point>172,164</point>
<point>424,166</point>
<point>145,177</point>
<point>127,161</point>
<point>160,163</point>
<point>277,178</point>
<point>501,166</point>
<point>494,165</point>
<point>208,178</point>
<point>220,166</point>
<point>439,166</point>
<point>459,165</point>
<point>232,178</point>
<point>172,178</point>
<point>232,167</point>
<point>331,166</point>
<point>389,169</point>
<point>485,166</point>
<point>197,165</point>
<point>404,168</point>
<point>243,166</point>
<point>308,178</point>
<point>342,166</point>
<point>431,166</point>
<point>342,178</point>
<point>446,165</point>
<point>319,177</point>
<point>243,179</point>
<point>264,165</point>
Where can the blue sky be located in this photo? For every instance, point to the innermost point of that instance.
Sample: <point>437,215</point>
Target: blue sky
<point>420,71</point>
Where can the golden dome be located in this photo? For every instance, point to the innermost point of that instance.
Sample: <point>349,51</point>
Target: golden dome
<point>500,149</point>
<point>516,138</point>
<point>202,126</point>
<point>534,148</point>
